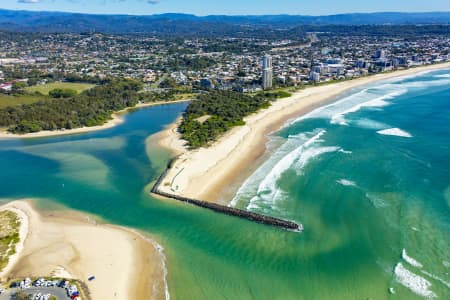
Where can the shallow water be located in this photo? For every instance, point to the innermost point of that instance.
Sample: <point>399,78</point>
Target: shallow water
<point>362,196</point>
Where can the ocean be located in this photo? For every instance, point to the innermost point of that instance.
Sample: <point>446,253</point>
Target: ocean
<point>368,176</point>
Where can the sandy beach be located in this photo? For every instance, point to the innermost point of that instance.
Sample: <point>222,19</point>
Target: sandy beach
<point>23,234</point>
<point>116,119</point>
<point>68,244</point>
<point>208,173</point>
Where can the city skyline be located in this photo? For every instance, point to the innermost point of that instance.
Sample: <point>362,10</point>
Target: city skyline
<point>231,7</point>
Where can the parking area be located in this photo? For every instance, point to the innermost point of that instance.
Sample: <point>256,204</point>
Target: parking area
<point>41,289</point>
<point>59,293</point>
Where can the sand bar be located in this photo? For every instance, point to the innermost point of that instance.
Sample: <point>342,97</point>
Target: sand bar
<point>116,119</point>
<point>207,173</point>
<point>65,243</point>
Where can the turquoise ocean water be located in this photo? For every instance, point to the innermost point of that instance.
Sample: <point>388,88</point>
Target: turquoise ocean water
<point>368,176</point>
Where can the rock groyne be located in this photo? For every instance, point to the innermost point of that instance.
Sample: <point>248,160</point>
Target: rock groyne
<point>255,217</point>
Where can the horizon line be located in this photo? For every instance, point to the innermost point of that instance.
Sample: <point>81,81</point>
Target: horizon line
<point>223,15</point>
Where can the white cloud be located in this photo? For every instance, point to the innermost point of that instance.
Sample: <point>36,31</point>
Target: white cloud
<point>28,1</point>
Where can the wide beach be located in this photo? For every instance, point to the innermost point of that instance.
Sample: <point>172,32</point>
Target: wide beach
<point>71,245</point>
<point>208,173</point>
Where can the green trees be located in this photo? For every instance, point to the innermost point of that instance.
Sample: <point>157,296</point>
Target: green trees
<point>62,93</point>
<point>168,83</point>
<point>18,87</point>
<point>90,108</point>
<point>224,110</point>
<point>195,63</point>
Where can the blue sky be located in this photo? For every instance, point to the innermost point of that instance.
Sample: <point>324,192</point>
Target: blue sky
<point>228,7</point>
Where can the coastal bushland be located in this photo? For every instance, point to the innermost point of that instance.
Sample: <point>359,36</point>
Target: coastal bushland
<point>223,110</point>
<point>89,108</point>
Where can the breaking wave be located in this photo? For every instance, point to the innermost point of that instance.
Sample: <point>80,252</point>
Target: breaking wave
<point>413,282</point>
<point>447,284</point>
<point>250,186</point>
<point>346,182</point>
<point>267,191</point>
<point>377,95</point>
<point>410,260</point>
<point>338,118</point>
<point>395,132</point>
<point>442,76</point>
<point>260,191</point>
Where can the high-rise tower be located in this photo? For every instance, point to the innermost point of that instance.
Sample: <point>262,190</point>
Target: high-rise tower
<point>267,72</point>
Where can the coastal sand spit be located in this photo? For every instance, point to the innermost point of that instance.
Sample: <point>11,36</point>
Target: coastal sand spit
<point>126,265</point>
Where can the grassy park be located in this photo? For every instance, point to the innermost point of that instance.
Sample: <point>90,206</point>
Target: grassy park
<point>46,88</point>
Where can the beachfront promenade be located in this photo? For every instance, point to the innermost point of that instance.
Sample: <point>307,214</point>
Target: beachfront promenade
<point>251,216</point>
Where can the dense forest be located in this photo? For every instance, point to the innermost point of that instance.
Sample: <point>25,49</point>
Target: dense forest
<point>214,113</point>
<point>90,108</point>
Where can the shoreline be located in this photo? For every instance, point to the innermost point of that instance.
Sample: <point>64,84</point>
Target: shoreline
<point>117,119</point>
<point>211,174</point>
<point>23,234</point>
<point>69,244</point>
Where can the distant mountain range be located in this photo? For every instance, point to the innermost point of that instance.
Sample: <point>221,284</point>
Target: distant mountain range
<point>185,23</point>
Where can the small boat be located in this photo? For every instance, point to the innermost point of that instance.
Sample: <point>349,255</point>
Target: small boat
<point>391,290</point>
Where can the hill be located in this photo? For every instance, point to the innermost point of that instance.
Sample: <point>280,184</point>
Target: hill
<point>185,24</point>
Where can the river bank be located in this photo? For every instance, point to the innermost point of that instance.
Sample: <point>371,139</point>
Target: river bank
<point>208,173</point>
<point>67,244</point>
<point>116,119</point>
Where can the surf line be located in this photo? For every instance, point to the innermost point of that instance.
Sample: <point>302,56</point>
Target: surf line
<point>244,214</point>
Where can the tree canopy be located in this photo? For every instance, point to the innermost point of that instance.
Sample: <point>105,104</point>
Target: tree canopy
<point>90,108</point>
<point>224,110</point>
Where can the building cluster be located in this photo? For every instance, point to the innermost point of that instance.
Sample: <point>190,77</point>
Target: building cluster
<point>239,63</point>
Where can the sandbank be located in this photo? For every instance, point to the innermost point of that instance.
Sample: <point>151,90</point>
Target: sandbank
<point>126,264</point>
<point>208,173</point>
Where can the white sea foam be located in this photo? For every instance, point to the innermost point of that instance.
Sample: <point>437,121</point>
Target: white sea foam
<point>426,84</point>
<point>410,260</point>
<point>251,184</point>
<point>346,182</point>
<point>447,284</point>
<point>375,95</point>
<point>160,250</point>
<point>395,132</point>
<point>442,76</point>
<point>345,151</point>
<point>414,282</point>
<point>446,264</point>
<point>371,124</point>
<point>267,189</point>
<point>295,154</point>
<point>309,154</point>
<point>338,118</point>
